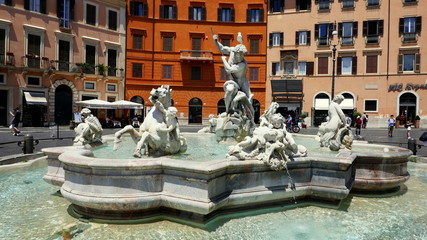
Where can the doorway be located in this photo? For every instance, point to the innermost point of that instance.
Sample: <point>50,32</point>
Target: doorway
<point>195,110</point>
<point>63,105</point>
<point>3,108</point>
<point>408,107</point>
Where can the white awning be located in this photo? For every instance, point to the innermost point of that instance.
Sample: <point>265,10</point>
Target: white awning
<point>347,103</point>
<point>321,104</point>
<point>35,98</point>
<point>95,104</point>
<point>123,104</point>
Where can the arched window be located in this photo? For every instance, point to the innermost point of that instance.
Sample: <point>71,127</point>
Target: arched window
<point>221,106</point>
<point>138,112</point>
<point>408,107</point>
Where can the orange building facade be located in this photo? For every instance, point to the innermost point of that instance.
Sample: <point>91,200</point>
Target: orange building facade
<point>170,43</point>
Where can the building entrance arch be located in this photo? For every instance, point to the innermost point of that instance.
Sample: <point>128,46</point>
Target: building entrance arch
<point>408,107</point>
<point>320,108</point>
<point>139,112</point>
<point>195,110</point>
<point>63,105</point>
<point>221,106</point>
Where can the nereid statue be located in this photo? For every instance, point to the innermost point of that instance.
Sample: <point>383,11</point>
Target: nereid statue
<point>89,131</point>
<point>238,119</point>
<point>270,142</point>
<point>159,134</point>
<point>335,133</point>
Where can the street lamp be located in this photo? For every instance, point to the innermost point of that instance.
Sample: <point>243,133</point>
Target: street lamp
<point>334,51</point>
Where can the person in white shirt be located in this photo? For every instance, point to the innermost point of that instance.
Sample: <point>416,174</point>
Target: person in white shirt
<point>391,124</point>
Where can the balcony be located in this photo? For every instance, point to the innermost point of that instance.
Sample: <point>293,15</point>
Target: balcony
<point>196,55</point>
<point>347,4</point>
<point>35,61</point>
<point>347,41</point>
<point>374,39</point>
<point>409,37</point>
<point>323,42</point>
<point>8,59</point>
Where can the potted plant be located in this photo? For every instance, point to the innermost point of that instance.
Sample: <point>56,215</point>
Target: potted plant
<point>417,121</point>
<point>84,67</point>
<point>397,122</point>
<point>102,69</point>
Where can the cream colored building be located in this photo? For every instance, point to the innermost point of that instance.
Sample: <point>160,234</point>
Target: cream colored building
<point>52,54</point>
<point>381,51</point>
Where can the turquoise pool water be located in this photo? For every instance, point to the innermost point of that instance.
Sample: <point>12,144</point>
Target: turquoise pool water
<point>32,209</point>
<point>202,147</point>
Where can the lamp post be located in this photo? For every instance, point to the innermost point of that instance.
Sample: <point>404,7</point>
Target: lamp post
<point>334,51</point>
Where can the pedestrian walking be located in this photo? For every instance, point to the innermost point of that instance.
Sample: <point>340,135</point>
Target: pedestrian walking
<point>16,116</point>
<point>348,120</point>
<point>391,124</point>
<point>408,129</point>
<point>365,118</point>
<point>358,125</point>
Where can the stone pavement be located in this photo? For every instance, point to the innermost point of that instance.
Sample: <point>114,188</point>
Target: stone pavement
<point>8,142</point>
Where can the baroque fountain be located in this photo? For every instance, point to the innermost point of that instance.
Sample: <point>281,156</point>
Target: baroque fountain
<point>264,166</point>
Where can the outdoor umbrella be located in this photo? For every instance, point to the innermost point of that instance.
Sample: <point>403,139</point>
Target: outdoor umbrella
<point>95,104</point>
<point>123,104</point>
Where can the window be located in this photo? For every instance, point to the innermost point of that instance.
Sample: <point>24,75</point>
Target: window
<point>409,27</point>
<point>196,73</point>
<point>253,74</point>
<point>33,51</point>
<point>33,81</point>
<point>302,68</point>
<point>137,41</point>
<point>346,65</point>
<point>409,62</point>
<point>410,1</point>
<point>64,11</point>
<point>275,69</point>
<point>254,46</point>
<point>225,42</point>
<point>302,38</point>
<point>276,5</point>
<point>112,62</point>
<point>137,70</point>
<point>372,30</point>
<point>167,72</point>
<point>197,13</point>
<point>372,3</point>
<point>276,39</point>
<point>111,87</point>
<point>35,5</point>
<point>322,65</point>
<point>2,78</point>
<point>6,2</point>
<point>168,12</point>
<point>63,55</point>
<point>346,31</point>
<point>254,15</point>
<point>225,15</point>
<point>347,4</point>
<point>372,64</point>
<point>139,9</point>
<point>167,44</point>
<point>289,67</point>
<point>89,85</point>
<point>324,4</point>
<point>3,41</point>
<point>371,105</point>
<point>303,5</point>
<point>112,20</point>
<point>90,58</point>
<point>323,33</point>
<point>91,14</point>
<point>223,74</point>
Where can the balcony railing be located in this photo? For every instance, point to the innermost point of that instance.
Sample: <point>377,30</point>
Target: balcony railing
<point>348,4</point>
<point>35,61</point>
<point>375,39</point>
<point>64,23</point>
<point>196,55</point>
<point>347,41</point>
<point>323,42</point>
<point>7,59</point>
<point>409,37</point>
<point>324,5</point>
<point>373,3</point>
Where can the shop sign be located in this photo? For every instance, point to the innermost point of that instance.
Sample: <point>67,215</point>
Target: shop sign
<point>409,86</point>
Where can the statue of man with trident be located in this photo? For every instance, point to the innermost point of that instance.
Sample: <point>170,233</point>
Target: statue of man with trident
<point>238,96</point>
